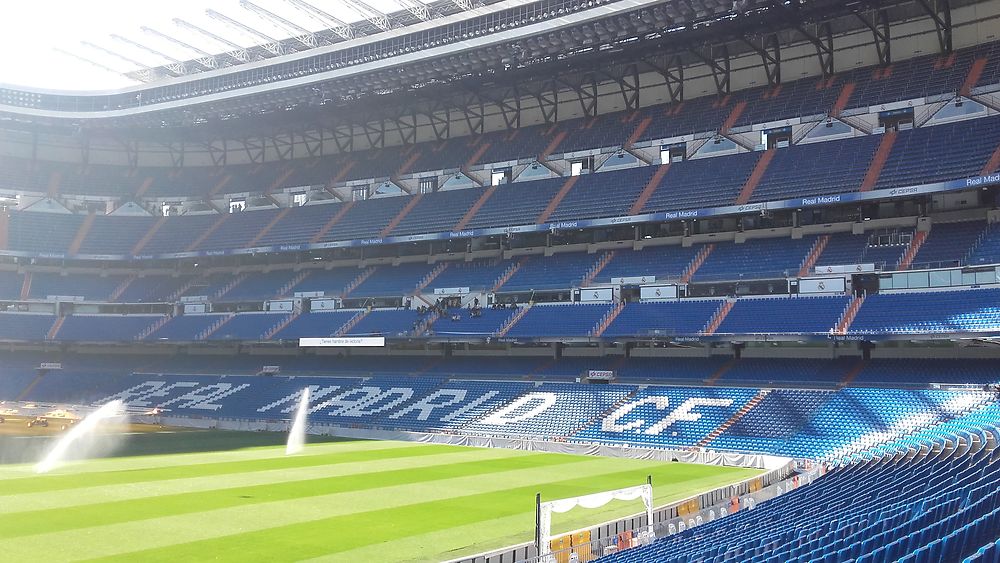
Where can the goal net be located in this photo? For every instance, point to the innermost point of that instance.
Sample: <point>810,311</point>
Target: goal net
<point>596,500</point>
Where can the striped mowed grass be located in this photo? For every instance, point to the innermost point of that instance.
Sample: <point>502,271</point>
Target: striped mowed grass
<point>230,498</point>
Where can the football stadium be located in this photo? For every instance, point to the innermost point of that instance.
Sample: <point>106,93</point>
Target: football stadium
<point>503,281</point>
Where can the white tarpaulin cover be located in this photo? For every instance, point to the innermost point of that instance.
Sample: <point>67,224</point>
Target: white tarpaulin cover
<point>596,500</point>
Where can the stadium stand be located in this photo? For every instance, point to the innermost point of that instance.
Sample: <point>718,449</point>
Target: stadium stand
<point>810,266</point>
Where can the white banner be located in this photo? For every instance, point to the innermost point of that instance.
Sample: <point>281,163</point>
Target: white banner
<point>283,305</point>
<point>323,304</point>
<point>633,280</point>
<point>601,374</point>
<point>597,295</point>
<point>451,291</point>
<point>65,298</point>
<point>309,294</point>
<point>343,342</point>
<point>822,285</point>
<point>653,292</point>
<point>195,308</point>
<point>845,269</point>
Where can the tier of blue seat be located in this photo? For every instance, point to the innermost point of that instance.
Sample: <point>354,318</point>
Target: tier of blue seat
<point>913,78</point>
<point>461,322</point>
<point>808,315</point>
<point>764,258</point>
<point>36,231</point>
<point>551,272</point>
<point>25,326</point>
<point>640,427</point>
<point>386,322</point>
<point>388,281</point>
<point>661,262</point>
<point>92,288</point>
<point>476,275</point>
<point>781,372</point>
<point>816,169</point>
<point>559,320</point>
<point>184,328</point>
<point>927,510</point>
<point>316,324</point>
<point>590,196</point>
<point>702,182</point>
<point>951,151</point>
<point>800,170</point>
<point>104,328</point>
<point>247,326</point>
<point>151,289</point>
<point>845,249</point>
<point>987,248</point>
<point>938,311</point>
<point>950,244</point>
<point>11,284</point>
<point>972,310</point>
<point>667,318</point>
<point>789,371</point>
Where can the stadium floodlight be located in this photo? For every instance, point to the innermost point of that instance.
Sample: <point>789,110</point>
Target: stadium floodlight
<point>174,65</point>
<point>204,58</point>
<point>301,34</point>
<point>238,52</point>
<point>270,44</point>
<point>338,26</point>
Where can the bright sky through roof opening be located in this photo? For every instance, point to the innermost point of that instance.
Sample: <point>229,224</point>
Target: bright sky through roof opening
<point>32,32</point>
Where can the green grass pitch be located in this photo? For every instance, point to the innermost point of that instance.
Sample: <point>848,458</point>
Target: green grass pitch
<point>222,496</point>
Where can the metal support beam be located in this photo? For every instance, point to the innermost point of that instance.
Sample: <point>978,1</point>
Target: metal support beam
<point>718,61</point>
<point>343,136</point>
<point>373,15</point>
<point>313,141</point>
<point>585,88</point>
<point>204,58</point>
<point>547,95</point>
<point>440,125</point>
<point>406,126</point>
<point>338,26</point>
<point>87,60</point>
<point>113,54</point>
<point>174,65</point>
<point>940,13</point>
<point>671,68</point>
<point>417,8</point>
<point>284,146</point>
<point>627,80</point>
<point>474,111</point>
<point>177,151</point>
<point>217,151</point>
<point>769,49</point>
<point>301,34</point>
<point>255,149</point>
<point>269,44</point>
<point>822,38</point>
<point>878,23</point>
<point>235,51</point>
<point>374,133</point>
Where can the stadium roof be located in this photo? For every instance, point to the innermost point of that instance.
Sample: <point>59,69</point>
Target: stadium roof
<point>129,43</point>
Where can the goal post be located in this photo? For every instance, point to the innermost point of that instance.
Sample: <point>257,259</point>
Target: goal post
<point>544,510</point>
